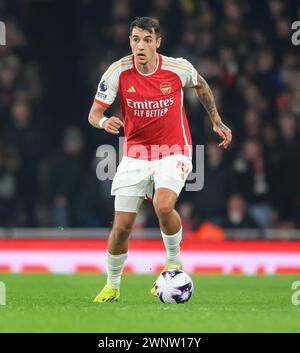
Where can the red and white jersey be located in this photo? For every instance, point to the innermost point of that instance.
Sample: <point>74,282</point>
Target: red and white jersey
<point>155,122</point>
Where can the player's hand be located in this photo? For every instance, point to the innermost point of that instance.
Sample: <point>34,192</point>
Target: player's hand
<point>224,132</point>
<point>113,124</point>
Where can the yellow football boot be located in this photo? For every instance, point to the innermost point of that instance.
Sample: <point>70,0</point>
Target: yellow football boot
<point>107,294</point>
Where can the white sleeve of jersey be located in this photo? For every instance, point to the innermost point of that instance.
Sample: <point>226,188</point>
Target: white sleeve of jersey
<point>188,74</point>
<point>108,86</point>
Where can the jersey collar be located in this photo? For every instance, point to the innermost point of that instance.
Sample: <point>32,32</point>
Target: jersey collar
<point>158,65</point>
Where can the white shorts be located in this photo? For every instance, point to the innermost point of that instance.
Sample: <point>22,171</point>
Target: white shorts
<point>128,203</point>
<point>138,177</point>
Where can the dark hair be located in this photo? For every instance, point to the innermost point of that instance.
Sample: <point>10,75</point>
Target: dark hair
<point>150,24</point>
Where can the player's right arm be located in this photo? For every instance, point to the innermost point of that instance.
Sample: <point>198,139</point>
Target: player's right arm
<point>106,93</point>
<point>111,125</point>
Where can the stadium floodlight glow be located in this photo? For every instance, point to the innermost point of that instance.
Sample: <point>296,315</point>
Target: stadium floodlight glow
<point>2,33</point>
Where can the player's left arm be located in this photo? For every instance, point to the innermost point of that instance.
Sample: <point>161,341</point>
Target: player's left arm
<point>207,99</point>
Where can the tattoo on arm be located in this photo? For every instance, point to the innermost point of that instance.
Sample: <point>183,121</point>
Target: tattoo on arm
<point>206,96</point>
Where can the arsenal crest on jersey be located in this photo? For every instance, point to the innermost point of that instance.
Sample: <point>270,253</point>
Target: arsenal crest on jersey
<point>165,87</point>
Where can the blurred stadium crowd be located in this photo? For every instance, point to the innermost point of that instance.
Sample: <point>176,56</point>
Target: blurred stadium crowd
<point>49,71</point>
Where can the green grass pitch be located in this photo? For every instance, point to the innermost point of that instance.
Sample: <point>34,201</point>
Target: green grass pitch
<point>63,303</point>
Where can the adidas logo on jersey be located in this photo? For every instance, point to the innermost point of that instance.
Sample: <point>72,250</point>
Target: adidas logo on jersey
<point>131,89</point>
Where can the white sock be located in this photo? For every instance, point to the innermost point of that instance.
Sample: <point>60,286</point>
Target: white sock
<point>115,265</point>
<point>172,244</point>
